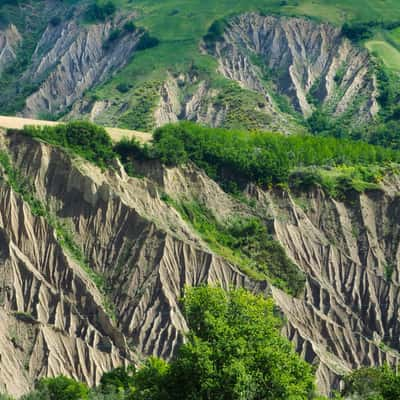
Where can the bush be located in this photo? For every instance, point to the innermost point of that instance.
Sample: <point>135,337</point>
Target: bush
<point>215,32</point>
<point>55,21</point>
<point>100,11</point>
<point>129,150</point>
<point>83,138</point>
<point>305,179</point>
<point>147,42</point>
<point>114,35</point>
<point>357,31</point>
<point>129,27</point>
<point>123,87</point>
<point>373,383</point>
<point>62,388</point>
<point>262,158</point>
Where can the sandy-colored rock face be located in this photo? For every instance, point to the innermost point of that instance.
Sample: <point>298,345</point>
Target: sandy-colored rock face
<point>71,58</point>
<point>143,248</point>
<point>67,330</point>
<point>302,57</point>
<point>198,106</point>
<point>347,316</point>
<point>187,97</point>
<point>294,57</point>
<point>9,41</point>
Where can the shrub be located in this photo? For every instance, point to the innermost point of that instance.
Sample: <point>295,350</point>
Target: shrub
<point>100,11</point>
<point>373,383</point>
<point>62,388</point>
<point>262,158</point>
<point>55,21</point>
<point>114,35</point>
<point>215,32</point>
<point>83,138</point>
<point>305,179</point>
<point>146,42</point>
<point>123,87</point>
<point>129,27</point>
<point>129,150</point>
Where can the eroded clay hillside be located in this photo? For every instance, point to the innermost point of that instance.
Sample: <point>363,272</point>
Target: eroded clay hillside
<point>263,72</point>
<point>291,64</point>
<point>94,263</point>
<point>306,61</point>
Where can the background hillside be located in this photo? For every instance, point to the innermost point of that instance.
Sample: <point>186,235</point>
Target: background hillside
<point>142,64</point>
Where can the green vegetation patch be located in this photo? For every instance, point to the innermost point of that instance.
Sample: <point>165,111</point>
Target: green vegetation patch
<point>245,242</point>
<point>386,52</point>
<point>100,10</point>
<point>82,138</point>
<point>236,158</point>
<point>382,383</point>
<point>341,181</point>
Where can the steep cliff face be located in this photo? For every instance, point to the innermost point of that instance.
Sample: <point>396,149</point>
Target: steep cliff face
<point>146,253</point>
<point>141,246</point>
<point>71,58</point>
<point>349,250</point>
<point>278,70</point>
<point>285,60</point>
<point>10,39</point>
<point>196,106</point>
<point>188,97</point>
<point>306,62</point>
<point>347,316</point>
<point>53,316</point>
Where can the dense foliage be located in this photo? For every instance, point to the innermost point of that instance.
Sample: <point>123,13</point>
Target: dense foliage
<point>59,388</point>
<point>147,42</point>
<point>381,383</point>
<point>234,351</point>
<point>358,31</point>
<point>100,10</point>
<point>87,140</point>
<point>215,32</point>
<point>235,158</point>
<point>246,242</point>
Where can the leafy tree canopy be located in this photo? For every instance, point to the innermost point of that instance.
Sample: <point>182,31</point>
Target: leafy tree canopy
<point>234,350</point>
<point>373,384</point>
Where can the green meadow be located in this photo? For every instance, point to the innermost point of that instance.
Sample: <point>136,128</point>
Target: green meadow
<point>180,25</point>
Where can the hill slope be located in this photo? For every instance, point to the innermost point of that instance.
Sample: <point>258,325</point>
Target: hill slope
<point>113,72</point>
<point>95,253</point>
<point>93,239</point>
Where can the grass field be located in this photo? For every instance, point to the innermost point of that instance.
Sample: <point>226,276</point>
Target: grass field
<point>386,52</point>
<point>180,25</point>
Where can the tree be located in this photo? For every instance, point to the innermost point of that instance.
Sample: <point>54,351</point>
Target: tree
<point>60,388</point>
<point>100,11</point>
<point>234,351</point>
<point>373,384</point>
